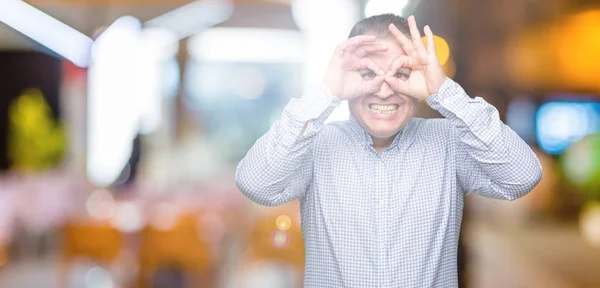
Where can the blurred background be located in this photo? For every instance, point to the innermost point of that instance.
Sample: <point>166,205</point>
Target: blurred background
<point>121,124</point>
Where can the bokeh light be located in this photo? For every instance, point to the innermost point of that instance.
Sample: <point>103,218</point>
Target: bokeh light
<point>578,32</point>
<point>442,48</point>
<point>559,124</point>
<point>128,217</point>
<point>283,222</point>
<point>542,56</point>
<point>280,239</point>
<point>589,224</point>
<point>97,277</point>
<point>581,165</point>
<point>164,216</point>
<point>100,204</point>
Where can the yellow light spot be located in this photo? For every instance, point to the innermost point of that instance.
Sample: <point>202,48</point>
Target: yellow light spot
<point>442,48</point>
<point>578,64</point>
<point>449,68</point>
<point>36,139</point>
<point>283,222</point>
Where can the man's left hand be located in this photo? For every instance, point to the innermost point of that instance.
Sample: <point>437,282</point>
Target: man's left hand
<point>427,75</point>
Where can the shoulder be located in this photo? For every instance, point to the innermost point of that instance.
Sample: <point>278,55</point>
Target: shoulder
<point>337,131</point>
<point>337,135</point>
<point>424,125</point>
<point>431,129</point>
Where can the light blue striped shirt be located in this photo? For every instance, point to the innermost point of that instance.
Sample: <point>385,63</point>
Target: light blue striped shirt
<point>391,219</point>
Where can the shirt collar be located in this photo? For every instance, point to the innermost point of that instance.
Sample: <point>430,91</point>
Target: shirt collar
<point>365,139</point>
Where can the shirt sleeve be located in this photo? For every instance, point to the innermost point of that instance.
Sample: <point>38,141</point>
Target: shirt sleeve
<point>278,167</point>
<point>492,160</point>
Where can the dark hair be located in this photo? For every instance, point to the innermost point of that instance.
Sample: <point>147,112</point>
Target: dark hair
<point>378,25</point>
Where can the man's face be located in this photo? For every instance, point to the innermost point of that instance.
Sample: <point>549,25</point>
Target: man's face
<point>386,112</point>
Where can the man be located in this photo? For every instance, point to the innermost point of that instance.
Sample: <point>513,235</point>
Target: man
<point>382,194</point>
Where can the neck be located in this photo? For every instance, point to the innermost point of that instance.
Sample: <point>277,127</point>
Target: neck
<point>381,143</point>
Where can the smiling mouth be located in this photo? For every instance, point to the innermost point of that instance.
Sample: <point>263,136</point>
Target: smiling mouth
<point>383,109</point>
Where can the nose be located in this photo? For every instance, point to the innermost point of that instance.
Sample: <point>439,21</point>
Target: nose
<point>385,91</point>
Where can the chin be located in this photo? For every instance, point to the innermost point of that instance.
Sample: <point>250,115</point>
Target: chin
<point>384,128</point>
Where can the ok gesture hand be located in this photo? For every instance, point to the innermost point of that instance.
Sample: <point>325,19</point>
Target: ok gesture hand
<point>427,75</point>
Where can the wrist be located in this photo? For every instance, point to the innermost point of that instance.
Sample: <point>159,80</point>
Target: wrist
<point>435,83</point>
<point>331,86</point>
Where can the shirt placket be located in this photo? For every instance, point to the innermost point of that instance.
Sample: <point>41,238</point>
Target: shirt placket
<point>381,215</point>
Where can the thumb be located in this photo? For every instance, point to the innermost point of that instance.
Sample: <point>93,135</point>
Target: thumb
<point>396,84</point>
<point>373,85</point>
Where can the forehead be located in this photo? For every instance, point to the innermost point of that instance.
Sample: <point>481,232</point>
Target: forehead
<point>385,59</point>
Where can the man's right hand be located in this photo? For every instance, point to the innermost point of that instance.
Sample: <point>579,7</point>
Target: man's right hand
<point>343,78</point>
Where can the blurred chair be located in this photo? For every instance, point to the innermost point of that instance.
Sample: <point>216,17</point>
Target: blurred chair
<point>179,247</point>
<point>97,241</point>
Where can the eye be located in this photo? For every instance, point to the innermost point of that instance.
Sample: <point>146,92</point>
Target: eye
<point>367,74</point>
<point>402,75</point>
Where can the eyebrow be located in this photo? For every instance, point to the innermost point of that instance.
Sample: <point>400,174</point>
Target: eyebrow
<point>404,68</point>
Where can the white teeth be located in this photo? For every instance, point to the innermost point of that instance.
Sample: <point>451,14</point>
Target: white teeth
<point>383,109</point>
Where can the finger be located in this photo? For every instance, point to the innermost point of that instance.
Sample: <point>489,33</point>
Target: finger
<point>354,45</point>
<point>405,43</point>
<point>373,86</point>
<point>415,34</point>
<point>365,49</point>
<point>355,41</point>
<point>369,64</point>
<point>399,86</point>
<point>402,61</point>
<point>430,43</point>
